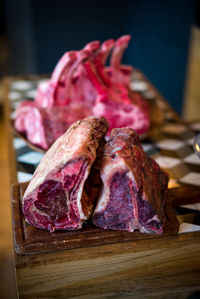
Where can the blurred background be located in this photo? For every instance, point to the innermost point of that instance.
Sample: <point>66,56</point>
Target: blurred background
<point>34,34</point>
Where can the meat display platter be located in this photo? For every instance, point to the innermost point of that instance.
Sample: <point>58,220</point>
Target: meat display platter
<point>156,119</point>
<point>29,240</point>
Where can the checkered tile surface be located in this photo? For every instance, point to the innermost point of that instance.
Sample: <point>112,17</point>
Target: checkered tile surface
<point>172,148</point>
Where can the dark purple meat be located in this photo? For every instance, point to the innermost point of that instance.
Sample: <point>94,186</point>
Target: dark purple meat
<point>57,196</point>
<point>134,187</point>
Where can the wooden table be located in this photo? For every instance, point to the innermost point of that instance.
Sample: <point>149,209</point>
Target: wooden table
<point>164,267</point>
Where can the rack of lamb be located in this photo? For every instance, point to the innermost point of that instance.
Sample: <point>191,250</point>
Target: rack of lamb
<point>82,85</point>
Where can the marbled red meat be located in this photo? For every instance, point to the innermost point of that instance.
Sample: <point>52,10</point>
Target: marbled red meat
<point>134,187</point>
<point>42,126</point>
<point>81,80</point>
<point>120,114</point>
<point>57,196</point>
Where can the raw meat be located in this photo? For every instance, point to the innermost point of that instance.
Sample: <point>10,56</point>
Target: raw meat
<point>116,105</point>
<point>122,114</point>
<point>81,81</point>
<point>134,187</point>
<point>56,197</point>
<point>120,73</point>
<point>20,114</point>
<point>55,92</point>
<point>42,126</point>
<point>105,50</point>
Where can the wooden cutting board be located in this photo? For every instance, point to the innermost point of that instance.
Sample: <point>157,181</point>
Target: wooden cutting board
<point>29,240</point>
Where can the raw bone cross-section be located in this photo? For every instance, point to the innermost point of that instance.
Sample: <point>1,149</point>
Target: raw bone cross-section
<point>134,187</point>
<point>57,196</point>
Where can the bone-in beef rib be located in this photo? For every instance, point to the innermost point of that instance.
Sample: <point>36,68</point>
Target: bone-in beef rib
<point>56,197</point>
<point>134,187</point>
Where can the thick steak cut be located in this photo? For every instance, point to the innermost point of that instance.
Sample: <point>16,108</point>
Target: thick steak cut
<point>134,187</point>
<point>56,197</point>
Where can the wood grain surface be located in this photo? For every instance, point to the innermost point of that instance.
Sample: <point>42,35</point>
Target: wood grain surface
<point>165,268</point>
<point>11,151</point>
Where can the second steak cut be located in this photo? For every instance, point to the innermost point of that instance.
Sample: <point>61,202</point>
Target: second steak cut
<point>57,196</point>
<point>134,187</point>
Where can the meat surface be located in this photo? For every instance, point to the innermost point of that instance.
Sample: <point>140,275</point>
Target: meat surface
<point>42,126</point>
<point>114,103</point>
<point>57,196</point>
<point>20,114</point>
<point>82,81</point>
<point>118,72</point>
<point>55,92</point>
<point>134,188</point>
<point>121,114</point>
